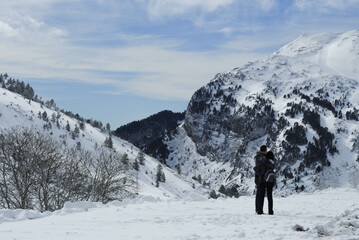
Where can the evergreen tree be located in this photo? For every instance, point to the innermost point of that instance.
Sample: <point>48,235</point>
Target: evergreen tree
<point>199,179</point>
<point>141,158</point>
<point>222,189</point>
<point>68,128</point>
<point>108,142</point>
<point>178,167</point>
<point>125,160</point>
<point>160,176</point>
<point>28,92</point>
<point>108,127</point>
<point>77,131</point>
<point>136,166</point>
<point>53,118</point>
<point>44,116</point>
<point>82,125</point>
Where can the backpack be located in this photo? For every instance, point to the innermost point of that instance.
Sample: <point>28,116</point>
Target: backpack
<point>269,176</point>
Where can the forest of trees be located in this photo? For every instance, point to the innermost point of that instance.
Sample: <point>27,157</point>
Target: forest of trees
<point>37,172</point>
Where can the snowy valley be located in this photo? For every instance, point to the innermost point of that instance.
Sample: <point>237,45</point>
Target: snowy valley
<point>302,102</point>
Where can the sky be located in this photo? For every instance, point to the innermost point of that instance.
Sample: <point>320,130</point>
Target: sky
<point>123,60</point>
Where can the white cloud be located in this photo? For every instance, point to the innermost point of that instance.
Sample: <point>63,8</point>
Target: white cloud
<point>159,72</point>
<point>164,8</point>
<point>326,5</point>
<point>303,4</point>
<point>6,30</point>
<point>25,26</point>
<point>267,5</point>
<point>227,31</point>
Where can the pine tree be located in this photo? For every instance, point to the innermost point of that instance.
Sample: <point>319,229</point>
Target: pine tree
<point>53,118</point>
<point>77,131</point>
<point>141,158</point>
<point>68,128</point>
<point>160,176</point>
<point>222,189</point>
<point>178,167</point>
<point>82,125</point>
<point>125,160</point>
<point>108,127</point>
<point>108,142</point>
<point>199,179</point>
<point>136,166</point>
<point>44,116</point>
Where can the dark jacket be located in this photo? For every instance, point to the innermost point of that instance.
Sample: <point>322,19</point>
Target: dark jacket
<point>261,167</point>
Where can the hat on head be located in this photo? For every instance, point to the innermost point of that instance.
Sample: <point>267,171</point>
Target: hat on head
<point>263,148</point>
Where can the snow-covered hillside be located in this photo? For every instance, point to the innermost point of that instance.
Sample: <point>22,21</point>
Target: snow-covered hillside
<point>301,101</point>
<point>330,214</point>
<point>15,110</point>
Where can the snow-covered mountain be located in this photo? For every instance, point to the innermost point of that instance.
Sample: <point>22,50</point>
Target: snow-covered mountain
<point>17,111</point>
<point>301,101</point>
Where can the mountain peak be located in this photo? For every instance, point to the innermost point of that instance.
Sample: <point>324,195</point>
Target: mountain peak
<point>335,51</point>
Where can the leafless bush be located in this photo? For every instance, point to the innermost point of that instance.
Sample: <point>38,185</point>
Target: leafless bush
<point>37,172</point>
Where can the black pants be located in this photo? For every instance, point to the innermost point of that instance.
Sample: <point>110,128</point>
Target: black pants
<point>262,188</point>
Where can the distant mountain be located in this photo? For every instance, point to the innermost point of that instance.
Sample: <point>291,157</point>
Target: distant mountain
<point>301,101</point>
<point>146,131</point>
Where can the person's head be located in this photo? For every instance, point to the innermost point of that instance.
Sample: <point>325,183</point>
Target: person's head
<point>263,148</point>
<point>270,155</point>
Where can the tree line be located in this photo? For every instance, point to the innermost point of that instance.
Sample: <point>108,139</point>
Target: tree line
<point>25,90</point>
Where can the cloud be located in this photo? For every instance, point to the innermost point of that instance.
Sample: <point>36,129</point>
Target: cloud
<point>155,69</point>
<point>326,5</point>
<point>119,48</point>
<point>6,30</point>
<point>164,8</point>
<point>18,26</point>
<point>267,5</point>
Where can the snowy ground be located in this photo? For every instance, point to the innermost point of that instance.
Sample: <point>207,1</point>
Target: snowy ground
<point>329,214</point>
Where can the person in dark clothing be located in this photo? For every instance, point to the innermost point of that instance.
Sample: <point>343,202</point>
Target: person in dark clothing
<point>263,164</point>
<point>258,169</point>
<point>270,184</point>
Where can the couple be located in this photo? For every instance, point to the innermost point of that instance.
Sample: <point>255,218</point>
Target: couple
<point>264,165</point>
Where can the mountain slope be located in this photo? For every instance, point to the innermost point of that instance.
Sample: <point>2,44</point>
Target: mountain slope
<point>143,132</point>
<point>16,111</point>
<point>300,101</point>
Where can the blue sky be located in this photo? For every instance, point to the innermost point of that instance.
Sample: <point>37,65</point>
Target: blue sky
<point>122,60</point>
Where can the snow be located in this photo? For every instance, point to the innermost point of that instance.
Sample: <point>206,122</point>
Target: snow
<point>15,111</point>
<point>179,208</point>
<point>332,213</point>
<point>313,64</point>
